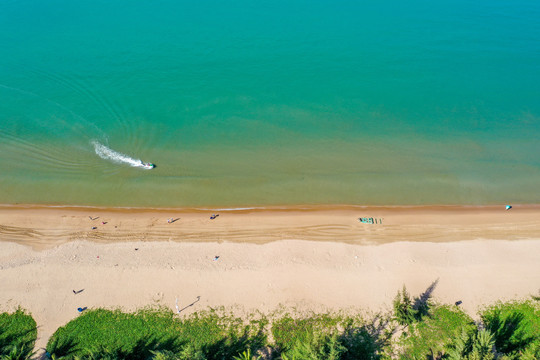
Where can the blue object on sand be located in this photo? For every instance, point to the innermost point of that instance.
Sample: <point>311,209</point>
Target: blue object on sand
<point>81,309</point>
<point>508,207</point>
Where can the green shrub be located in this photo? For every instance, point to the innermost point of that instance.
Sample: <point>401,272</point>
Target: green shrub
<point>404,313</point>
<point>367,340</point>
<point>246,355</point>
<point>156,333</point>
<point>329,336</point>
<point>510,331</point>
<point>113,334</point>
<point>515,326</point>
<point>18,333</point>
<point>289,330</point>
<point>435,334</point>
<point>222,336</point>
<point>475,345</point>
<point>318,347</point>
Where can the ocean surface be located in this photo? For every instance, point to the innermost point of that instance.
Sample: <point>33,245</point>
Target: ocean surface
<point>260,103</point>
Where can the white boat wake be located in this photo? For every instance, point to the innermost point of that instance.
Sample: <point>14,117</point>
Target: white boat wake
<point>109,154</point>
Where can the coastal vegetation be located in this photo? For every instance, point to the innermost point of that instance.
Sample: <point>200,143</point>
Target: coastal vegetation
<point>416,328</point>
<point>18,333</point>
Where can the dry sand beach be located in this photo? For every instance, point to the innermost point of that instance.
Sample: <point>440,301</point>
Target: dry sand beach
<point>312,258</point>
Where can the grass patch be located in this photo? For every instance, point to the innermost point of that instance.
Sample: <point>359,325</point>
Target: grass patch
<point>329,336</point>
<point>507,331</point>
<point>515,326</point>
<point>18,333</point>
<point>435,334</point>
<point>147,333</point>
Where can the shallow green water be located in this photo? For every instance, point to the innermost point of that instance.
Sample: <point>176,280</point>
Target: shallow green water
<point>270,102</point>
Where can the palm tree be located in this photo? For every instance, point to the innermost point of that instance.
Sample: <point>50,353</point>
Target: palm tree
<point>15,352</point>
<point>246,355</point>
<point>404,312</point>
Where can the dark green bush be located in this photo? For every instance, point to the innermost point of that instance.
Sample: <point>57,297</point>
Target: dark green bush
<point>155,333</point>
<point>515,326</point>
<point>18,333</point>
<point>435,334</point>
<point>329,336</point>
<point>508,331</point>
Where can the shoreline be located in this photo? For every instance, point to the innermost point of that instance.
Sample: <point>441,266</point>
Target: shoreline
<point>42,227</point>
<point>254,208</point>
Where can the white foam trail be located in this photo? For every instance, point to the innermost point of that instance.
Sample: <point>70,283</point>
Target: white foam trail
<point>109,154</point>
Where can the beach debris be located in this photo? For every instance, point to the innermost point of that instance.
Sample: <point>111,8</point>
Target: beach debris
<point>216,258</point>
<point>91,218</point>
<point>508,207</point>
<point>81,309</point>
<point>169,220</point>
<point>78,291</point>
<point>214,216</point>
<point>103,222</point>
<point>459,302</point>
<point>94,227</point>
<point>178,310</point>
<point>136,249</point>
<point>177,307</point>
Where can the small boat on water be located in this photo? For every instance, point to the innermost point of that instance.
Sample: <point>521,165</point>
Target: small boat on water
<point>147,166</point>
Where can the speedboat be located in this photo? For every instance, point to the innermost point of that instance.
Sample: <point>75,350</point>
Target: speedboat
<point>147,166</point>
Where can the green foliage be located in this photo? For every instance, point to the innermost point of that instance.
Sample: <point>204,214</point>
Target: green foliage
<point>114,334</point>
<point>515,327</point>
<point>476,345</point>
<point>164,355</point>
<point>319,347</point>
<point>289,330</point>
<point>18,333</point>
<point>404,313</point>
<point>222,336</point>
<point>155,333</point>
<point>330,336</point>
<point>482,345</point>
<point>246,355</point>
<point>366,340</point>
<point>434,335</point>
<point>509,331</point>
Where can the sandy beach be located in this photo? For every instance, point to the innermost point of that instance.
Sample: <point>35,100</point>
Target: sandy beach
<point>312,258</point>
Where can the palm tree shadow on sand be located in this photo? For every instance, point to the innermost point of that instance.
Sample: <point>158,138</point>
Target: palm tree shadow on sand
<point>422,303</point>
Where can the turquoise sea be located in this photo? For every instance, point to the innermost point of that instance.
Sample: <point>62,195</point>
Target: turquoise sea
<point>259,103</point>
